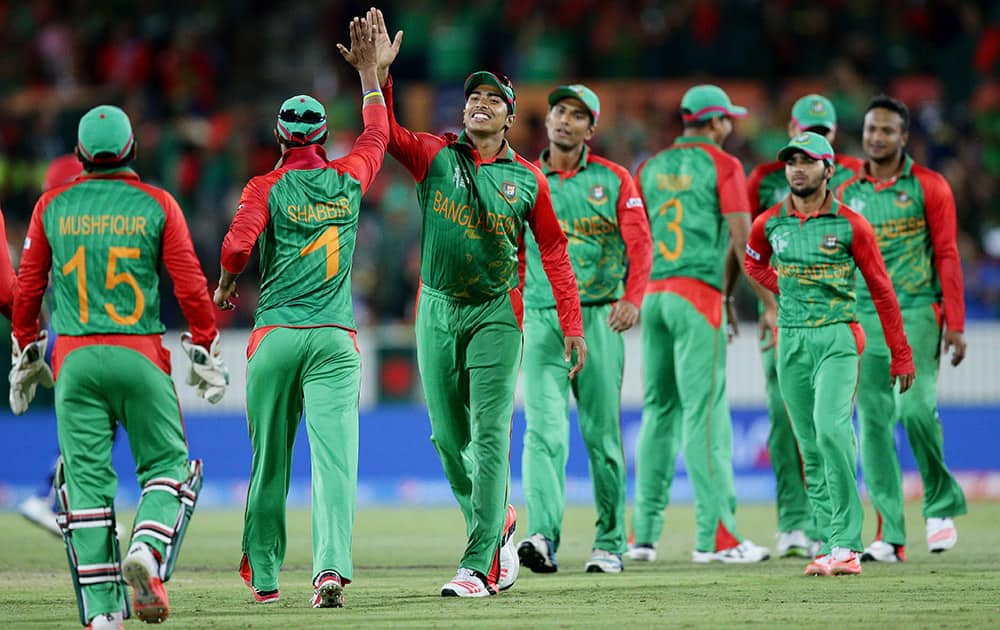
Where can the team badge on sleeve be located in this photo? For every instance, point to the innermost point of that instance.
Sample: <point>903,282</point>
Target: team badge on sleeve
<point>598,194</point>
<point>509,191</point>
<point>634,202</point>
<point>752,253</point>
<point>829,243</point>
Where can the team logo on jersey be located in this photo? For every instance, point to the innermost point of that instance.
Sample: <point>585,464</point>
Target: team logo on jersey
<point>509,191</point>
<point>598,195</point>
<point>459,178</point>
<point>829,243</point>
<point>779,243</point>
<point>780,194</point>
<point>903,200</point>
<point>857,204</point>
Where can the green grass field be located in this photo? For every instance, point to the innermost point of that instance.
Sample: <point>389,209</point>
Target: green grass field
<point>403,555</point>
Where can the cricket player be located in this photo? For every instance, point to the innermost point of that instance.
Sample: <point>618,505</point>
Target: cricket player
<point>695,195</point>
<point>104,236</point>
<point>815,244</point>
<point>303,353</point>
<point>602,216</point>
<point>476,194</point>
<point>768,186</point>
<point>912,210</point>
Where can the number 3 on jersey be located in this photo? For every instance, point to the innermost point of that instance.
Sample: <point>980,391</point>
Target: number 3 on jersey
<point>675,227</point>
<point>78,263</point>
<point>329,239</point>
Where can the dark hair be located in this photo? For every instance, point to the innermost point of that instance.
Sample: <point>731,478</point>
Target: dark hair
<point>696,124</point>
<point>884,101</point>
<point>105,161</point>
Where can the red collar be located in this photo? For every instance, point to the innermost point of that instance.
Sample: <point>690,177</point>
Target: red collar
<point>307,157</point>
<point>826,208</point>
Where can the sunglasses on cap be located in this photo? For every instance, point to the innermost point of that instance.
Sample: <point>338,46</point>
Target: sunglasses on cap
<point>308,117</point>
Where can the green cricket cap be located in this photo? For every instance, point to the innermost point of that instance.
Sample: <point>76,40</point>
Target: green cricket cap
<point>814,110</point>
<point>105,135</point>
<point>703,102</point>
<point>301,120</point>
<point>581,93</point>
<point>812,144</point>
<point>497,80</point>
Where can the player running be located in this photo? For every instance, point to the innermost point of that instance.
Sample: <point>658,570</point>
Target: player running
<point>303,353</point>
<point>602,215</point>
<point>912,210</point>
<point>768,185</point>
<point>476,194</point>
<point>693,191</point>
<point>815,245</point>
<point>104,236</point>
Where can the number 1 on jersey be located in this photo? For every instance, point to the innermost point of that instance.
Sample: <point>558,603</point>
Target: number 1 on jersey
<point>675,227</point>
<point>330,240</point>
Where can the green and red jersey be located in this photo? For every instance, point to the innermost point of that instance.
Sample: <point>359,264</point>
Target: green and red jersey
<point>104,235</point>
<point>304,214</point>
<point>8,281</point>
<point>767,184</point>
<point>913,215</point>
<point>810,260</point>
<point>474,212</point>
<point>604,220</point>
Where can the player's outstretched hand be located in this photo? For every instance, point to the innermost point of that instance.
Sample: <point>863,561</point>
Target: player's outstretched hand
<point>955,342</point>
<point>363,54</point>
<point>28,370</point>
<point>905,381</point>
<point>207,372</point>
<point>387,50</point>
<point>578,345</point>
<point>624,315</point>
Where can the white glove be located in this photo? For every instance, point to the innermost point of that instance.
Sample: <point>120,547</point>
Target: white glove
<point>27,370</point>
<point>208,372</point>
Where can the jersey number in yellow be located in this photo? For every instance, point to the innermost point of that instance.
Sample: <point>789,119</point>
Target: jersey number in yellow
<point>675,227</point>
<point>78,263</point>
<point>329,240</point>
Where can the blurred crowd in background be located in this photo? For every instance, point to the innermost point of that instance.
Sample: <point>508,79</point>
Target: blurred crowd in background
<point>202,82</point>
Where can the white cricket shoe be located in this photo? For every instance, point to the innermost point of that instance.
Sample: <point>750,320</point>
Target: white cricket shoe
<point>141,571</point>
<point>107,621</point>
<point>643,552</point>
<point>941,534</point>
<point>467,583</point>
<point>602,561</point>
<point>39,511</point>
<point>510,564</point>
<point>744,553</point>
<point>881,551</point>
<point>793,544</point>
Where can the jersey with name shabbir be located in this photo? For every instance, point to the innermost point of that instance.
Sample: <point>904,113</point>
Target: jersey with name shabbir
<point>913,216</point>
<point>688,187</point>
<point>768,185</point>
<point>305,216</point>
<point>604,220</point>
<point>474,213</point>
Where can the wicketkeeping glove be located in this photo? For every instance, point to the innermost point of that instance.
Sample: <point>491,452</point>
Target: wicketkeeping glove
<point>208,372</point>
<point>27,370</point>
